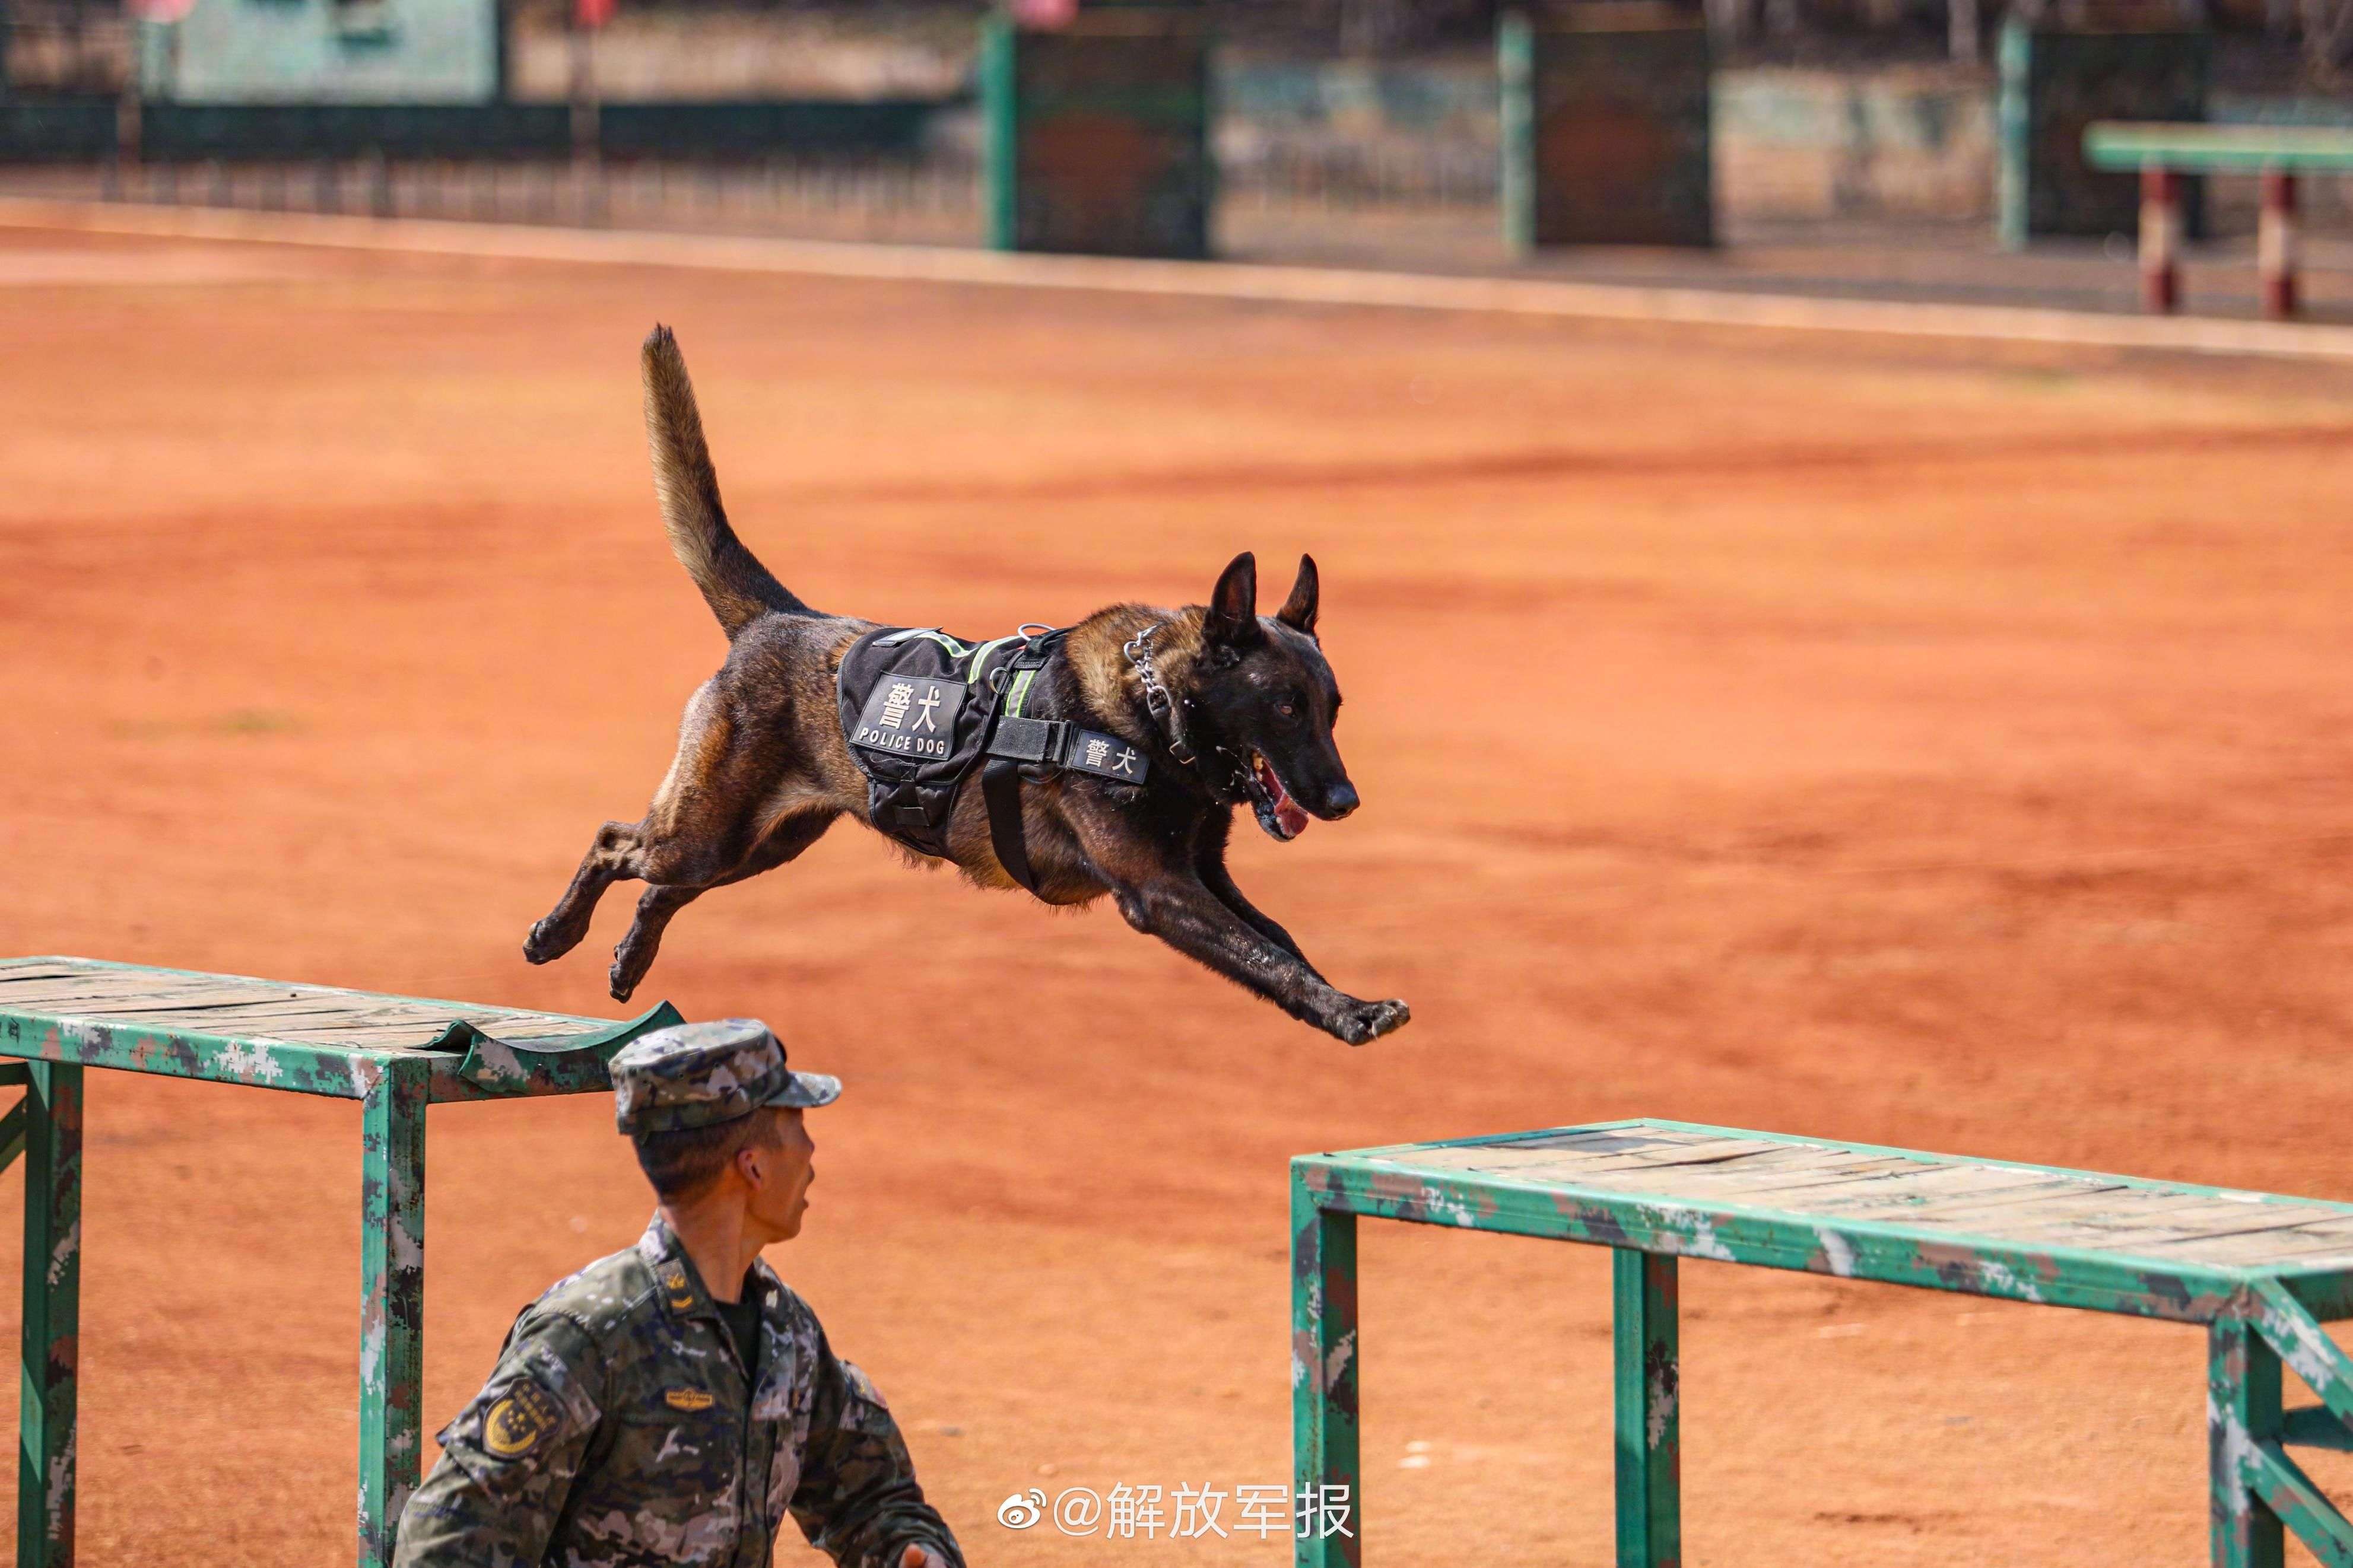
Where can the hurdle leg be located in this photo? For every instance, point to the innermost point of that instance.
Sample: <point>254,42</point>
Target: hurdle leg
<point>1326,1466</point>
<point>392,1302</point>
<point>2160,239</point>
<point>2242,1408</point>
<point>1649,1429</point>
<point>2276,244</point>
<point>52,1320</point>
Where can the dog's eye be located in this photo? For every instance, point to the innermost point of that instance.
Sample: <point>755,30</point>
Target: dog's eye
<point>1287,709</point>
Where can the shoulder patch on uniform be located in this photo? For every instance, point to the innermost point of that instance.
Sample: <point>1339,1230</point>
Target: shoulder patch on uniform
<point>522,1419</point>
<point>688,1399</point>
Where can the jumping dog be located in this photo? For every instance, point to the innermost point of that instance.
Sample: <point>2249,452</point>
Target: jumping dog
<point>1228,705</point>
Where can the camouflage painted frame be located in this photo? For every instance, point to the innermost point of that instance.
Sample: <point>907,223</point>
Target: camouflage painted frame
<point>396,1055</point>
<point>2261,1272</point>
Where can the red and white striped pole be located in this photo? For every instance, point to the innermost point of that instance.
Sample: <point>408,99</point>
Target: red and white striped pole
<point>2160,239</point>
<point>2276,244</point>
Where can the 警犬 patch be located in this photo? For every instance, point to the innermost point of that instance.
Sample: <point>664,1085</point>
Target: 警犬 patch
<point>910,716</point>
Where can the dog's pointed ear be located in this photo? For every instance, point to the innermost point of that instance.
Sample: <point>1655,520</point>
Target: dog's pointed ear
<point>1233,619</point>
<point>1298,611</point>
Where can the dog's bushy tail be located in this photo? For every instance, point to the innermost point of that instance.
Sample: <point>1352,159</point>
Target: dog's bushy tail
<point>738,589</point>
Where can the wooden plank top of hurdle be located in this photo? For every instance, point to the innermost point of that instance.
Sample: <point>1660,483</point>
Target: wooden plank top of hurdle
<point>1994,1227</point>
<point>310,1039</point>
<point>2193,147</point>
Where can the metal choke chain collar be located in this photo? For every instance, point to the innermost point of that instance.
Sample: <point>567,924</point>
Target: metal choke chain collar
<point>1169,713</point>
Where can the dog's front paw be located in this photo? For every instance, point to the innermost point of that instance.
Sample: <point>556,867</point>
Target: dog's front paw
<point>547,943</point>
<point>1360,1022</point>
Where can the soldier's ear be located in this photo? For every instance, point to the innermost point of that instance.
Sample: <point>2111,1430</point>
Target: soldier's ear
<point>1233,620</point>
<point>1298,611</point>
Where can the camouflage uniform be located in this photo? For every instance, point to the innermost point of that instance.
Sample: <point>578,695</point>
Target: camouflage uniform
<point>618,1429</point>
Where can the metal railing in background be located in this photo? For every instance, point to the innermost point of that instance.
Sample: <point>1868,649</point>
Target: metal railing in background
<point>1396,173</point>
<point>901,201</point>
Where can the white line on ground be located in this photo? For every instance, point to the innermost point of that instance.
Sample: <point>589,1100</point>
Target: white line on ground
<point>1199,279</point>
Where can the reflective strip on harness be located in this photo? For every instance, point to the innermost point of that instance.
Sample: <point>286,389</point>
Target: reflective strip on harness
<point>1020,691</point>
<point>955,649</point>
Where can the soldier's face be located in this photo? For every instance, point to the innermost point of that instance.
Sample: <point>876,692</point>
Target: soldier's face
<point>779,1177</point>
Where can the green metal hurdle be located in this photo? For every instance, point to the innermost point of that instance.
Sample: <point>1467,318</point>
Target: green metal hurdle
<point>2261,1272</point>
<point>396,1055</point>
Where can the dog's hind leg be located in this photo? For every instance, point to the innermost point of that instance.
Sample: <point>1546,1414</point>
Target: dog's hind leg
<point>635,955</point>
<point>683,840</point>
<point>616,853</point>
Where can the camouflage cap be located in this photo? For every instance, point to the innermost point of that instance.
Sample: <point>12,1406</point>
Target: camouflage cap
<point>698,1075</point>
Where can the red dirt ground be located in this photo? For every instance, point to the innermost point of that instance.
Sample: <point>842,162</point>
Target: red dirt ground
<point>1930,745</point>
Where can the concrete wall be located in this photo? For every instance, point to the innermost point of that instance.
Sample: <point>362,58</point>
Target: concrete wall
<point>1892,142</point>
<point>653,53</point>
<point>1426,129</point>
<point>1901,142</point>
<point>327,51</point>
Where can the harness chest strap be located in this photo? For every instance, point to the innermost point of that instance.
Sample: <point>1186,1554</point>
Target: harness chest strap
<point>1017,739</point>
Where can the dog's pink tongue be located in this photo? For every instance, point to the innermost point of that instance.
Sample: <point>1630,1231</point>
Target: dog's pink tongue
<point>1291,813</point>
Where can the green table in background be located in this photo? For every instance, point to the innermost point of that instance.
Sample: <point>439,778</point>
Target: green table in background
<point>395,1054</point>
<point>2260,1272</point>
<point>2278,155</point>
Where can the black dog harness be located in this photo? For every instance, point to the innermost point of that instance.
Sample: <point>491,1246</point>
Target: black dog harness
<point>920,709</point>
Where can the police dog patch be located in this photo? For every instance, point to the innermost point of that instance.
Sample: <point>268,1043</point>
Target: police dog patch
<point>519,1421</point>
<point>910,716</point>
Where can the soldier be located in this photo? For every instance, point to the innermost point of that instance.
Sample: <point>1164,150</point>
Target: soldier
<point>664,1408</point>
